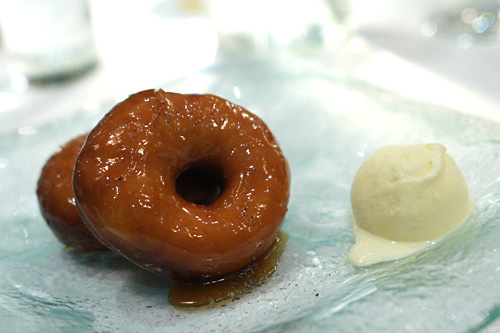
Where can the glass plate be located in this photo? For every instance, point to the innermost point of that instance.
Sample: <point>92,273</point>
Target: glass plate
<point>326,127</point>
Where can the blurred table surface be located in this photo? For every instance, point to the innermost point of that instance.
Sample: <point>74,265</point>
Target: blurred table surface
<point>146,43</point>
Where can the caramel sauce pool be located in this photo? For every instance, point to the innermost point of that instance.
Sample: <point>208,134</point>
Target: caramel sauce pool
<point>184,294</point>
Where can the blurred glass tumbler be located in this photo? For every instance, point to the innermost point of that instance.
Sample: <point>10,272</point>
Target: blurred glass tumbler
<point>261,25</point>
<point>46,40</point>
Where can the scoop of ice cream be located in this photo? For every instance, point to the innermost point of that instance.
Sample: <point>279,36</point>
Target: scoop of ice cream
<point>409,194</point>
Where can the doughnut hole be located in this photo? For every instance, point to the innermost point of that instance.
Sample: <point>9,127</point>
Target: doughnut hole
<point>201,183</point>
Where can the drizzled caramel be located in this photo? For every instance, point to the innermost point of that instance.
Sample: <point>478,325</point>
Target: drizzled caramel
<point>185,294</point>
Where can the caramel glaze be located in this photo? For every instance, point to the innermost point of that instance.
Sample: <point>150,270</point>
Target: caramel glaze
<point>126,184</point>
<point>57,202</point>
<point>185,294</point>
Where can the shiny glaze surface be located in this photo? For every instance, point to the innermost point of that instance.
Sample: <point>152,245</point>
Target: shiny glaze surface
<point>57,202</point>
<point>125,177</point>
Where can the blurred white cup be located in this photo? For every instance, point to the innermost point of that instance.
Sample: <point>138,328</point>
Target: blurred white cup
<point>46,40</point>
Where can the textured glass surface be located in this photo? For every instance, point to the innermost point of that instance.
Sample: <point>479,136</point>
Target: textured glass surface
<point>326,127</point>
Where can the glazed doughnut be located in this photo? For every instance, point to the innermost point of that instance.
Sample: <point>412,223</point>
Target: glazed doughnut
<point>57,202</point>
<point>189,186</point>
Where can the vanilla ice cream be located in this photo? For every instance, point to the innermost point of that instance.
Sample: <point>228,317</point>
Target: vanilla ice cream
<point>404,198</point>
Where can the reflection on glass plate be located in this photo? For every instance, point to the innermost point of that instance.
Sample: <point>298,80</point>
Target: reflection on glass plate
<point>326,128</point>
